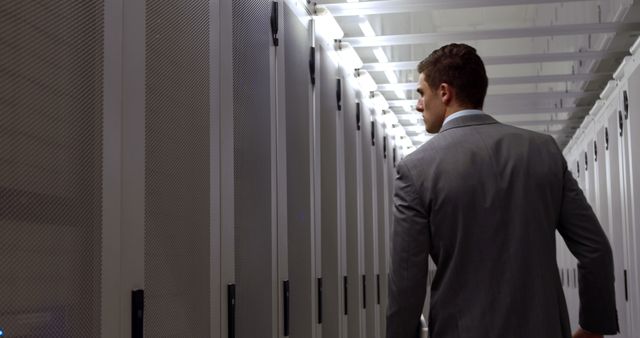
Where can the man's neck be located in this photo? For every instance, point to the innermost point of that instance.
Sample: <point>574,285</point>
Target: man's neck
<point>450,110</point>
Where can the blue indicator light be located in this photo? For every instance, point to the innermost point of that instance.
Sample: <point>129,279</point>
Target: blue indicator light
<point>1,333</point>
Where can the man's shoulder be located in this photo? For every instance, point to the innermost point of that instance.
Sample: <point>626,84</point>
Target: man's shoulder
<point>442,145</point>
<point>427,150</point>
<point>499,130</point>
<point>425,155</point>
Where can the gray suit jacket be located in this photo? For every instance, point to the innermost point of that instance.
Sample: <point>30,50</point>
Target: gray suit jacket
<point>485,200</point>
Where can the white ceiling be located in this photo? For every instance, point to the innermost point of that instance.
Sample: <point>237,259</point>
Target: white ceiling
<point>551,97</point>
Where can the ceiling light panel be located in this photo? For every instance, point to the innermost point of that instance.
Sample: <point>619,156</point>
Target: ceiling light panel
<point>412,6</point>
<point>514,62</point>
<point>443,37</point>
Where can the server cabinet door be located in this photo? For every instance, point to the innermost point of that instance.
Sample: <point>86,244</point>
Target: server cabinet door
<point>366,191</point>
<point>340,308</point>
<point>300,133</point>
<point>382,197</point>
<point>255,170</point>
<point>330,110</point>
<point>619,239</point>
<point>625,206</point>
<point>331,226</point>
<point>177,170</point>
<point>51,172</point>
<point>353,287</point>
<point>631,110</point>
<point>370,144</point>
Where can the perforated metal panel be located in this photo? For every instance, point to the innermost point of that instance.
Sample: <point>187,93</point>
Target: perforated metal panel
<point>330,225</point>
<point>300,232</point>
<point>177,169</point>
<point>632,126</point>
<point>382,196</point>
<point>354,249</point>
<point>611,158</point>
<point>50,168</point>
<point>367,207</point>
<point>252,167</point>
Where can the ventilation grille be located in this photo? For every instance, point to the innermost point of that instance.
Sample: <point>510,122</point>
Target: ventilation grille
<point>177,155</point>
<point>252,165</point>
<point>50,167</point>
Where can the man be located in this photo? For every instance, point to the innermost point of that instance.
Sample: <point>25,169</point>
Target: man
<point>484,200</point>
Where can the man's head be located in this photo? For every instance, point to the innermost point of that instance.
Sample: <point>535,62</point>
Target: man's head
<point>452,78</point>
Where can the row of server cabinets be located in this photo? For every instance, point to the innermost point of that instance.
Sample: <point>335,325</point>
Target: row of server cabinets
<point>193,168</point>
<point>604,157</point>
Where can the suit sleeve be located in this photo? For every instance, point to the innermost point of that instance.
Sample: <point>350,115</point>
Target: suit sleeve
<point>587,241</point>
<point>409,259</point>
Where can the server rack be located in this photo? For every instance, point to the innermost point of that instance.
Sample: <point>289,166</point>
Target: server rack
<point>618,237</point>
<point>126,112</point>
<point>610,130</point>
<point>367,142</point>
<point>330,109</point>
<point>382,198</point>
<point>300,172</point>
<point>353,285</point>
<point>52,177</point>
<point>629,106</point>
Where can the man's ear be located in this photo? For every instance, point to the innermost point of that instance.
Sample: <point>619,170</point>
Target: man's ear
<point>446,93</point>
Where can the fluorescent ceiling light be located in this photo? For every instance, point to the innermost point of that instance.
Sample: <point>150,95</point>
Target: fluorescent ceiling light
<point>401,95</point>
<point>393,79</point>
<point>412,6</point>
<point>530,32</point>
<point>368,31</point>
<point>495,101</point>
<point>380,55</point>
<point>366,27</point>
<point>327,25</point>
<point>391,75</point>
<point>511,80</point>
<point>349,56</point>
<point>511,59</point>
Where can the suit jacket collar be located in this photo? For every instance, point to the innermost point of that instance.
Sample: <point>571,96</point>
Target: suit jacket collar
<point>469,120</point>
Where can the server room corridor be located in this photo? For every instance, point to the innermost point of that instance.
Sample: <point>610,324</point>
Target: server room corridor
<point>225,169</point>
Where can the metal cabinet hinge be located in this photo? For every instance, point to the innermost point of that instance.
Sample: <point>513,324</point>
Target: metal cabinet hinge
<point>312,65</point>
<point>274,23</point>
<point>285,303</point>
<point>137,313</point>
<point>339,93</point>
<point>231,311</point>
<point>364,292</point>
<point>319,300</point>
<point>357,115</point>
